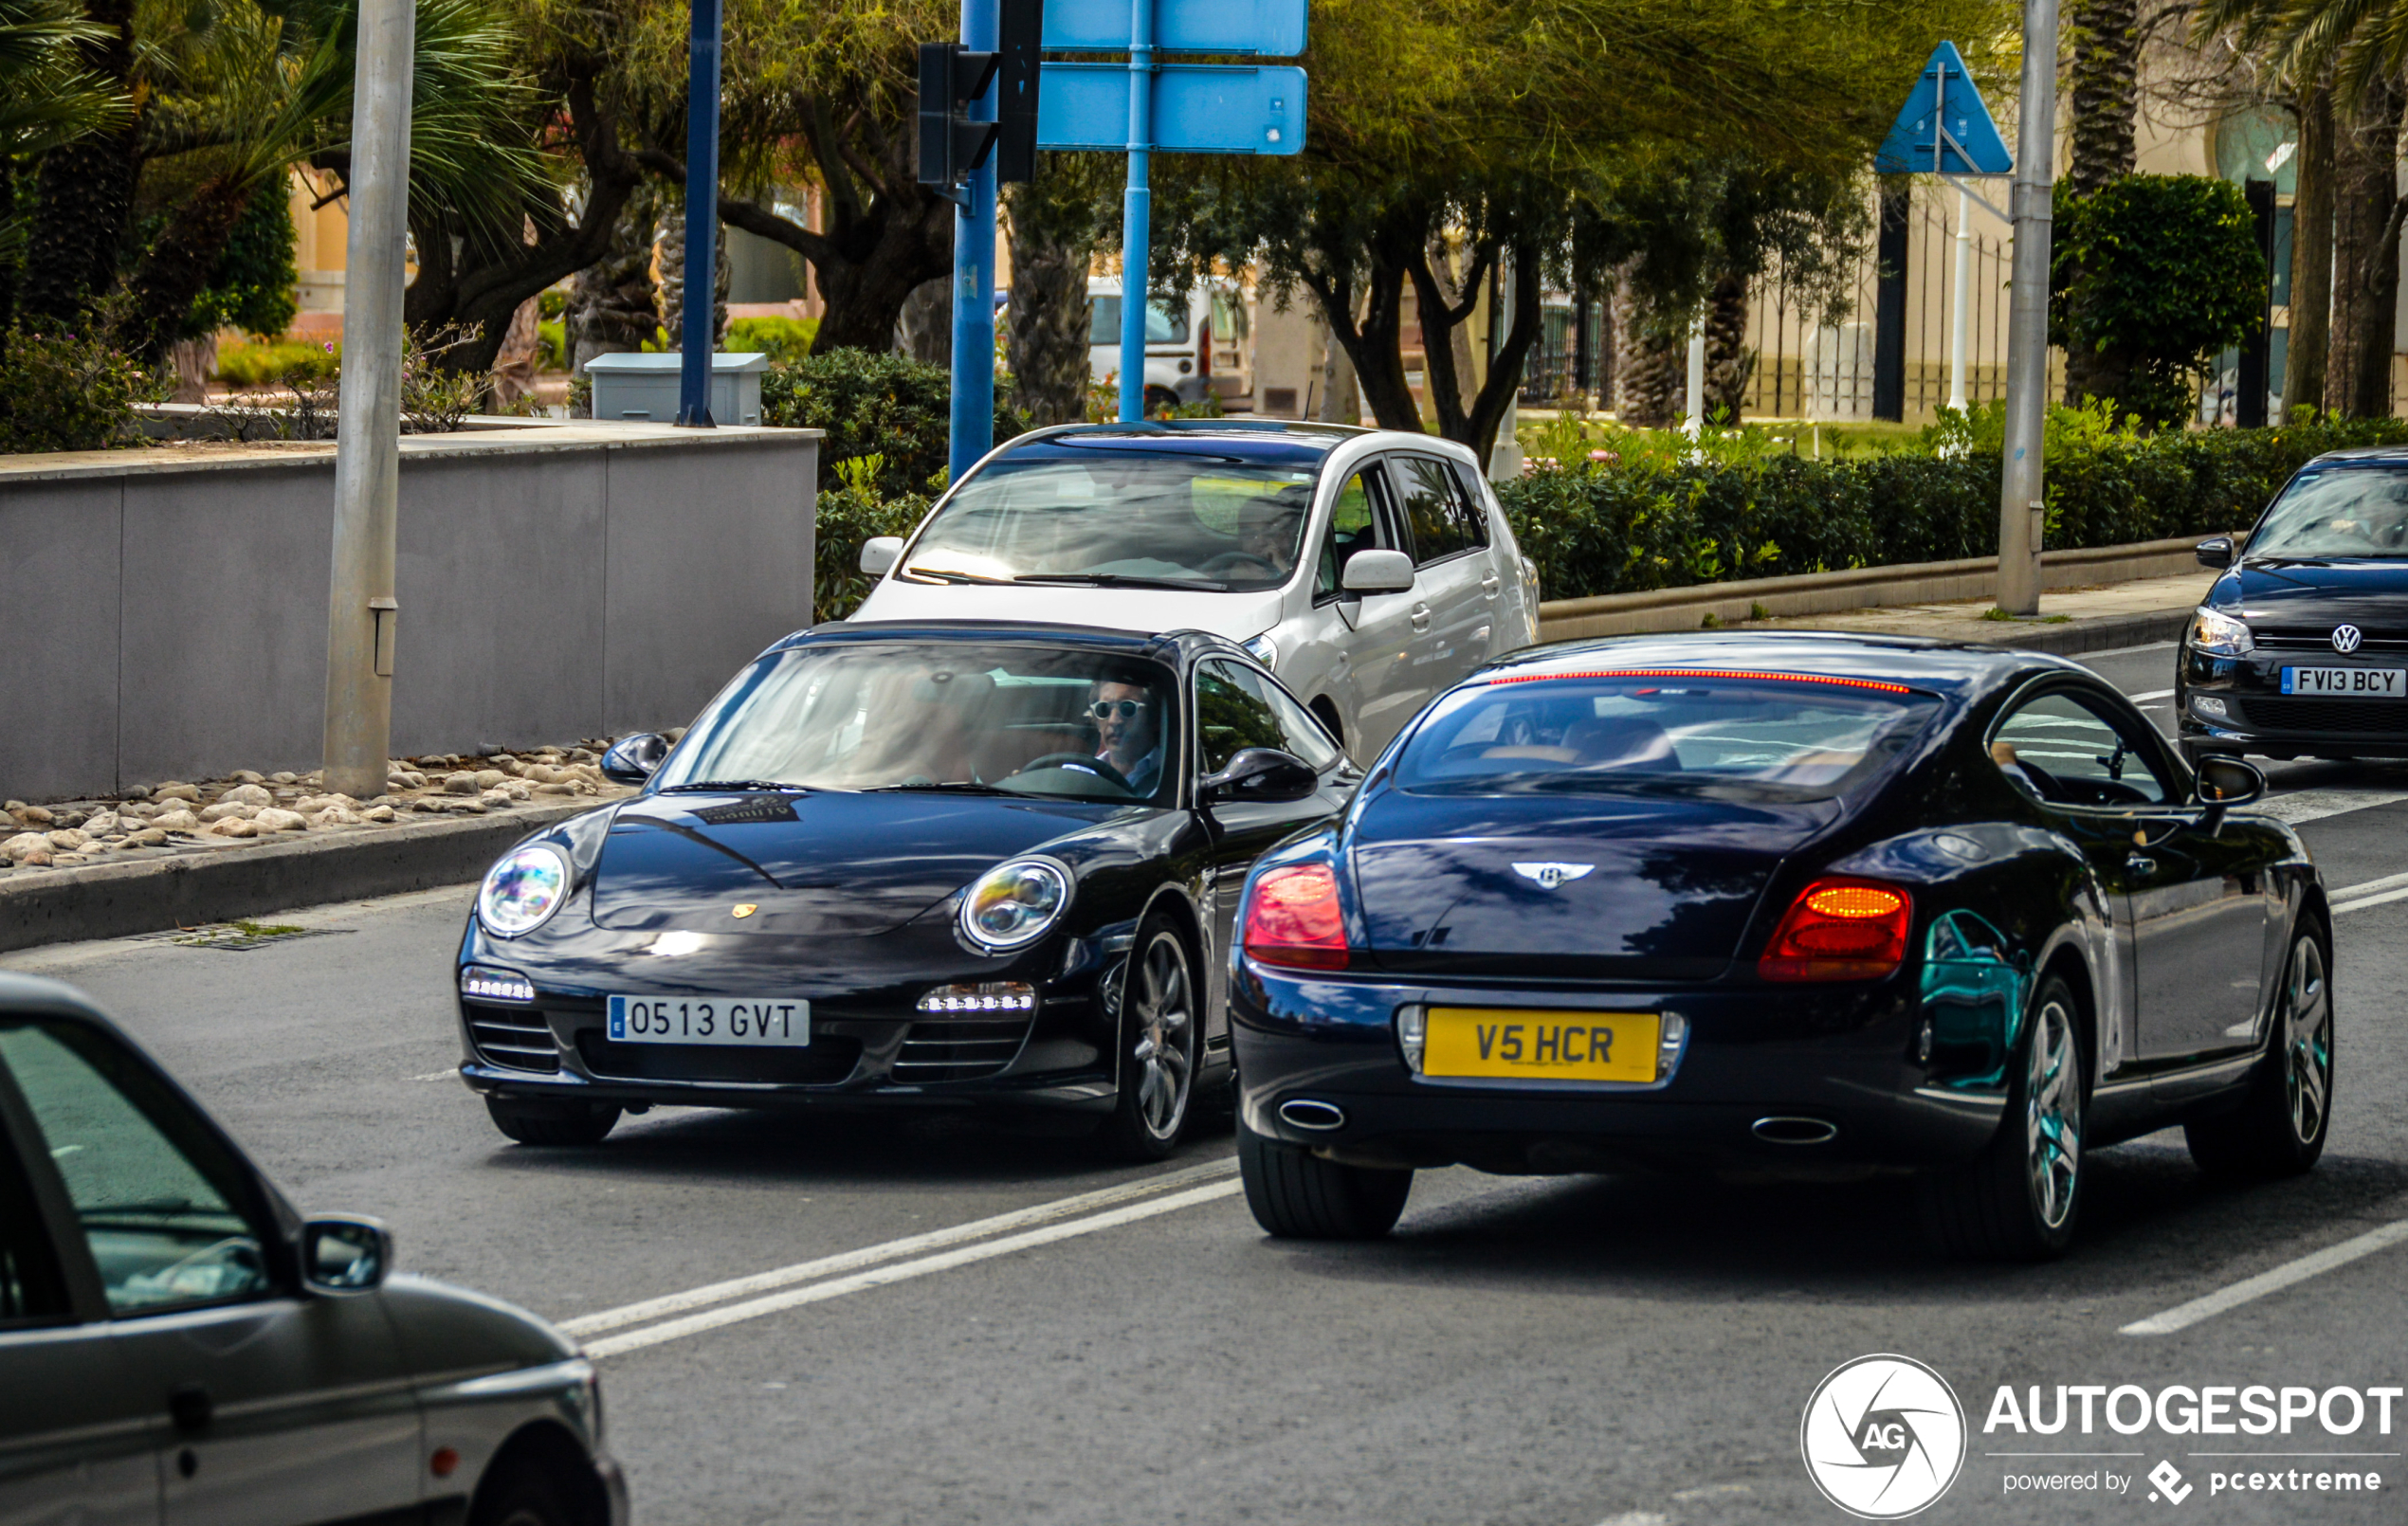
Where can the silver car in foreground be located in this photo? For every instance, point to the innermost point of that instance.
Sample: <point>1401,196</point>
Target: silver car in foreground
<point>179,1345</point>
<point>1369,568</point>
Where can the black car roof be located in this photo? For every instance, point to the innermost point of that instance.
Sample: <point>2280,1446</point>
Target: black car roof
<point>2361,456</point>
<point>1258,441</point>
<point>1961,669</point>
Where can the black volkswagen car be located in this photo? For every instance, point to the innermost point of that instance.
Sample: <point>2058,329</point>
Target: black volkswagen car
<point>1799,904</point>
<point>927,864</point>
<point>2301,650</point>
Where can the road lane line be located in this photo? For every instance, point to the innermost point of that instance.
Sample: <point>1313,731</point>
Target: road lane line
<point>2183,1315</point>
<point>2367,887</point>
<point>893,1249</point>
<point>694,1324</point>
<point>2315,805</point>
<point>2362,903</point>
<point>2153,694</point>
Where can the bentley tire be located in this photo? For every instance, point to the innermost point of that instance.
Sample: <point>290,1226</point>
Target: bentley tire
<point>552,1123</point>
<point>2018,1199</point>
<point>1160,1040</point>
<point>2279,1128</point>
<point>1297,1195</point>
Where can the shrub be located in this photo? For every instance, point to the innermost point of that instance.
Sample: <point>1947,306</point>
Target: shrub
<point>72,391</point>
<point>552,346</point>
<point>874,404</point>
<point>785,340</point>
<point>849,514</point>
<point>1656,520</point>
<point>276,364</point>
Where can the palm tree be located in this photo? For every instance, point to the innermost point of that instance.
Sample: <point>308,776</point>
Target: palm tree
<point>47,100</point>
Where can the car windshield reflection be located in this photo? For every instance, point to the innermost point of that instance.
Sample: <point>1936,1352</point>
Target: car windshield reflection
<point>942,717</point>
<point>2355,513</point>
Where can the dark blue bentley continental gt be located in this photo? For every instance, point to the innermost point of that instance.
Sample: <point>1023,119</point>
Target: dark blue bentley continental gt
<point>2301,648</point>
<point>916,865</point>
<point>1799,904</point>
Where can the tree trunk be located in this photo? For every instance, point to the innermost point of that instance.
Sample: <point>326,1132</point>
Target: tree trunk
<point>84,191</point>
<point>2311,256</point>
<point>190,361</point>
<point>2104,92</point>
<point>513,366</point>
<point>672,261</point>
<point>613,307</point>
<point>2357,374</point>
<point>1050,315</point>
<point>1649,368</point>
<point>1339,401</point>
<point>1729,363</point>
<point>923,330</point>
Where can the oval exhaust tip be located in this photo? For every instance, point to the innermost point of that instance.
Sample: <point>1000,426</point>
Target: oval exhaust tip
<point>1305,1113</point>
<point>1795,1131</point>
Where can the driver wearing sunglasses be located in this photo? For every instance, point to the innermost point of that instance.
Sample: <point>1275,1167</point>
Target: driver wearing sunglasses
<point>1130,732</point>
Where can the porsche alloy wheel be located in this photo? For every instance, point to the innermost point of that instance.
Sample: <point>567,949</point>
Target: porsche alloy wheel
<point>1159,1029</point>
<point>2052,1115</point>
<point>2279,1126</point>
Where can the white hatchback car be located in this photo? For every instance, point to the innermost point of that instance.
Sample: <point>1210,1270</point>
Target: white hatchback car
<point>1369,568</point>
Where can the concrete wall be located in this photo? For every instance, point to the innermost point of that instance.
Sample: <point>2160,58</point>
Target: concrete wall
<point>163,612</point>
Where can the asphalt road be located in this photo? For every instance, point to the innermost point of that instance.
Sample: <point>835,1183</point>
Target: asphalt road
<point>1562,1350</point>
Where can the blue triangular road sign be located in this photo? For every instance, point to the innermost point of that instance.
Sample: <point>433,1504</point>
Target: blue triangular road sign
<point>1943,128</point>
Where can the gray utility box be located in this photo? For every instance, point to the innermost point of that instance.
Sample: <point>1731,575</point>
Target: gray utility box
<point>645,388</point>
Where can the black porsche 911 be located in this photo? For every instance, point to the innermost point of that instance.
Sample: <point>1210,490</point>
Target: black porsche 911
<point>935,865</point>
<point>1802,905</point>
<point>2301,648</point>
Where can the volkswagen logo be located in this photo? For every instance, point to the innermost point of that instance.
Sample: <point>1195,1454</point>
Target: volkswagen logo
<point>1548,876</point>
<point>1883,1437</point>
<point>2345,638</point>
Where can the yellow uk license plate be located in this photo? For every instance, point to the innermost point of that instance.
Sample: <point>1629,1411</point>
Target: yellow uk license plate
<point>1491,1042</point>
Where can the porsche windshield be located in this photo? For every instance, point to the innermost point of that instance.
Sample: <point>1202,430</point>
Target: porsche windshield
<point>1122,517</point>
<point>2350,512</point>
<point>949,715</point>
<point>1608,731</point>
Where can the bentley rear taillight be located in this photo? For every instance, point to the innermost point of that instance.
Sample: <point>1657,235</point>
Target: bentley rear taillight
<point>1839,930</point>
<point>1292,919</point>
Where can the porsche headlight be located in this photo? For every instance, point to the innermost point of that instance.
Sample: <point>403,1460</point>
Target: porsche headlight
<point>2220,635</point>
<point>525,889</point>
<point>1014,905</point>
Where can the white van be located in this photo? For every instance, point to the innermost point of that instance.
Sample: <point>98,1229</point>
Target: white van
<point>1202,347</point>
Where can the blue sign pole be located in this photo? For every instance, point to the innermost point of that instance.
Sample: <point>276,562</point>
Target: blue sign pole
<point>974,272</point>
<point>1136,211</point>
<point>701,218</point>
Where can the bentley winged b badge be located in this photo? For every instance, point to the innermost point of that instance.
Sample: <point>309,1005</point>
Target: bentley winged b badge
<point>1548,876</point>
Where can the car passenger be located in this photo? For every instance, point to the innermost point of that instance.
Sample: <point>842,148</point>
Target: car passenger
<point>1131,733</point>
<point>1267,531</point>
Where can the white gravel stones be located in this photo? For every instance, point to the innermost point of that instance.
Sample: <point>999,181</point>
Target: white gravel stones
<point>103,825</point>
<point>275,820</point>
<point>235,827</point>
<point>25,845</point>
<point>378,814</point>
<point>68,839</point>
<point>487,778</point>
<point>177,821</point>
<point>462,783</point>
<point>147,837</point>
<point>34,815</point>
<point>175,789</point>
<point>248,776</point>
<point>335,816</point>
<point>225,809</point>
<point>247,795</point>
<point>312,805</point>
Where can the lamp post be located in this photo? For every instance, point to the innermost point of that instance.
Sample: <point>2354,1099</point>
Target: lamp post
<point>2021,508</point>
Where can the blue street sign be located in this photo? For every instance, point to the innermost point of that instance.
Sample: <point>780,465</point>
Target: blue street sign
<point>1943,128</point>
<point>1198,108</point>
<point>1273,28</point>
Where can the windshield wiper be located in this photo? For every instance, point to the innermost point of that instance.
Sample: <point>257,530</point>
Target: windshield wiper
<point>944,575</point>
<point>735,787</point>
<point>1124,580</point>
<point>958,785</point>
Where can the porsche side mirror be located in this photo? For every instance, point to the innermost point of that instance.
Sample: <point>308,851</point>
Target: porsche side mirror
<point>341,1254</point>
<point>879,554</point>
<point>1263,774</point>
<point>1377,572</point>
<point>2223,783</point>
<point>632,759</point>
<point>2215,550</point>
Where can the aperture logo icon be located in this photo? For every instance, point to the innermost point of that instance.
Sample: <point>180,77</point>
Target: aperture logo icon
<point>1883,1437</point>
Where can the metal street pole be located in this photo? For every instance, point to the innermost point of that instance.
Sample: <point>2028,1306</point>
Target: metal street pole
<point>1961,309</point>
<point>973,270</point>
<point>361,610</point>
<point>2021,509</point>
<point>1137,211</point>
<point>1694,424</point>
<point>701,320</point>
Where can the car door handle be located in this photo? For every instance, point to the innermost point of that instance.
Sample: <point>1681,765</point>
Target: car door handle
<point>1421,617</point>
<point>1489,585</point>
<point>2140,864</point>
<point>190,1405</point>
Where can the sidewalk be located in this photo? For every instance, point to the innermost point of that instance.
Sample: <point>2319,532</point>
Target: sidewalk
<point>2075,620</point>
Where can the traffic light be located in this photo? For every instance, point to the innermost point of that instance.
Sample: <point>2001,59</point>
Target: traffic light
<point>952,77</point>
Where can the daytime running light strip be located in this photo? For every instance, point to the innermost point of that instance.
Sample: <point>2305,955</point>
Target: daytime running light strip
<point>1704,673</point>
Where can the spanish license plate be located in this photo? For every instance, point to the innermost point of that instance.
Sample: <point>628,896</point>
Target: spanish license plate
<point>1526,1045</point>
<point>2352,683</point>
<point>741,1021</point>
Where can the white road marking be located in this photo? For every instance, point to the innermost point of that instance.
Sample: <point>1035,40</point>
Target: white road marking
<point>2182,1317</point>
<point>894,1250</point>
<point>694,1324</point>
<point>2153,694</point>
<point>439,1074</point>
<point>2315,805</point>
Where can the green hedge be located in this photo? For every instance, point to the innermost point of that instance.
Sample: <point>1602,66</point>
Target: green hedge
<point>1622,526</point>
<point>875,404</point>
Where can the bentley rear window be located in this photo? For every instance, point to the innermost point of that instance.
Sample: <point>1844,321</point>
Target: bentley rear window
<point>1611,730</point>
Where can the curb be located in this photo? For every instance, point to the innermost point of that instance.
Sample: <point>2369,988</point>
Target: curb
<point>2105,634</point>
<point>159,895</point>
